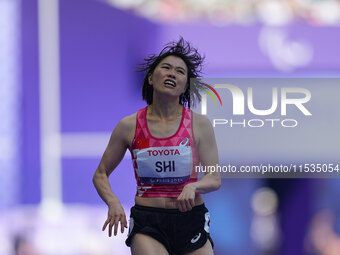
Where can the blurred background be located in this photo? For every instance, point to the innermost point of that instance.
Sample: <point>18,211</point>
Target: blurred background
<point>67,76</point>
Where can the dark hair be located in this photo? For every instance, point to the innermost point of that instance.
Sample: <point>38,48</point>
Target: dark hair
<point>191,58</point>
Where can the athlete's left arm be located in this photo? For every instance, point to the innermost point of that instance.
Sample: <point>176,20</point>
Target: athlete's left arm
<point>207,151</point>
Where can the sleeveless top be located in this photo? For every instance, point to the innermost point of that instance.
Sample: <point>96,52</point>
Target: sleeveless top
<point>163,166</point>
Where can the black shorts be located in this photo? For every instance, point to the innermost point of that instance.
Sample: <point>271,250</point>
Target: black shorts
<point>179,232</point>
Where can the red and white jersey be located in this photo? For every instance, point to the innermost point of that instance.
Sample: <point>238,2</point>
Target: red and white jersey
<point>163,166</point>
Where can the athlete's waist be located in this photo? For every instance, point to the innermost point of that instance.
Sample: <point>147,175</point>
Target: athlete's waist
<point>163,202</point>
<point>165,210</point>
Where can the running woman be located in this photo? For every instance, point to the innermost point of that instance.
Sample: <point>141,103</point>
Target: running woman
<point>166,140</point>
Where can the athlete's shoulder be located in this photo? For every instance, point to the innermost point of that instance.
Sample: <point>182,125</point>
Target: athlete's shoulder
<point>203,131</point>
<point>125,129</point>
<point>128,122</point>
<point>201,120</point>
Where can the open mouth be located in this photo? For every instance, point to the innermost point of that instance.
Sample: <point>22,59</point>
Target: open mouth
<point>170,83</point>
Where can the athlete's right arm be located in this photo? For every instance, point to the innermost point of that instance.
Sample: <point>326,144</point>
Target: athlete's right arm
<point>114,153</point>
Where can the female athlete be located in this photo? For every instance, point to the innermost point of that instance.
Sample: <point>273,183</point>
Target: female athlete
<point>166,140</point>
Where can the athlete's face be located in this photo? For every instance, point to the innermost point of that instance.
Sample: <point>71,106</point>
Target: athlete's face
<point>170,76</point>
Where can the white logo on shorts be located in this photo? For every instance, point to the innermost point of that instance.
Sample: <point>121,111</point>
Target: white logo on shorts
<point>131,225</point>
<point>207,222</point>
<point>195,239</point>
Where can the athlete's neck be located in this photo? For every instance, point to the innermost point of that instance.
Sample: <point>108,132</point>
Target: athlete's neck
<point>165,109</point>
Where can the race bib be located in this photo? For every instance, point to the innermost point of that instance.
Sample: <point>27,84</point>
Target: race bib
<point>164,165</point>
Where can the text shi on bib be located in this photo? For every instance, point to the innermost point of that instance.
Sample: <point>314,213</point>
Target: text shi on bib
<point>164,165</point>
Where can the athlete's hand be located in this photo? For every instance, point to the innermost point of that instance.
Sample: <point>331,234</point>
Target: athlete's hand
<point>116,214</point>
<point>186,200</point>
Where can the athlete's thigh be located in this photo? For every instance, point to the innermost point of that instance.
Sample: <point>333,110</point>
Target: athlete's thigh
<point>205,250</point>
<point>146,245</point>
